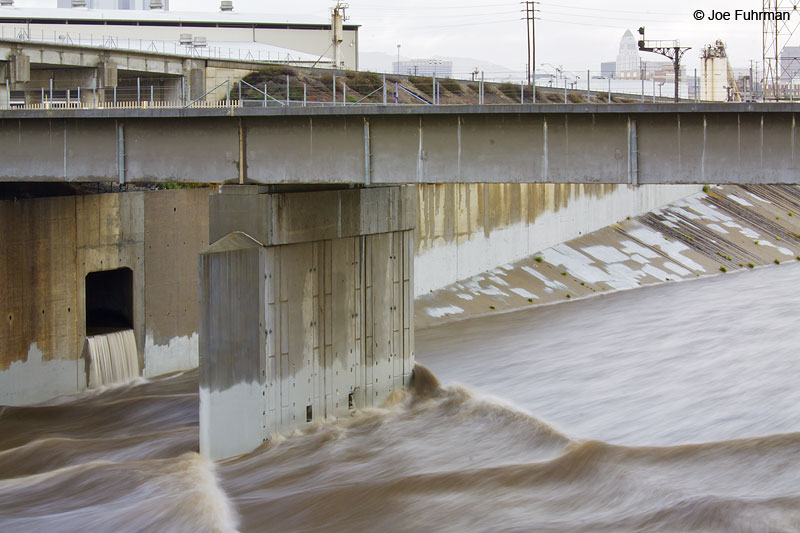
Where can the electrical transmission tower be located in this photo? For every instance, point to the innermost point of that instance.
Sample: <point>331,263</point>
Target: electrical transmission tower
<point>780,63</point>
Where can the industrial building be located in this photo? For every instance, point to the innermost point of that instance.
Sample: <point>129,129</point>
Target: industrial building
<point>226,34</point>
<point>424,67</point>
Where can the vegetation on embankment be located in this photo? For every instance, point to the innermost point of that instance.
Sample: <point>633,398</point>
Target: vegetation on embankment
<point>367,87</point>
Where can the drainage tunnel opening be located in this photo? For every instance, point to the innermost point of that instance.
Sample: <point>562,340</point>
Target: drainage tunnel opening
<point>109,301</point>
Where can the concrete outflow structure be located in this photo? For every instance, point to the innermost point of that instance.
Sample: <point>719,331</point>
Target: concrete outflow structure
<point>306,309</point>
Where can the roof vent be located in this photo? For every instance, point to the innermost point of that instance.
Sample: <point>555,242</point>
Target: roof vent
<point>78,3</point>
<point>199,41</point>
<point>186,39</point>
<point>156,4</point>
<point>226,5</point>
<point>7,3</point>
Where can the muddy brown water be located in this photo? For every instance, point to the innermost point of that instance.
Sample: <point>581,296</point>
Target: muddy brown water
<point>669,408</point>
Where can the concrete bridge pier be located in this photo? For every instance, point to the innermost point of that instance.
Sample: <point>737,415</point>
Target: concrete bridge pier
<point>306,309</point>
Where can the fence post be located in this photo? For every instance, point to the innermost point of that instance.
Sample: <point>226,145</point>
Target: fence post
<point>8,93</point>
<point>588,86</point>
<point>654,90</point>
<point>151,96</point>
<point>433,88</point>
<point>228,94</point>
<point>396,94</point>
<point>79,94</point>
<point>344,93</point>
<point>565,89</point>
<point>240,91</point>
<point>265,95</point>
<point>287,91</point>
<point>609,90</point>
<point>139,92</point>
<point>522,92</point>
<point>644,75</point>
<point>51,89</point>
<point>304,94</point>
<point>533,87</point>
<point>384,89</point>
<point>482,87</point>
<point>334,89</point>
<point>115,95</point>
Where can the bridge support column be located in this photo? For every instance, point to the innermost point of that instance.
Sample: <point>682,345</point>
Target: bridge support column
<point>194,76</point>
<point>105,78</point>
<point>306,309</point>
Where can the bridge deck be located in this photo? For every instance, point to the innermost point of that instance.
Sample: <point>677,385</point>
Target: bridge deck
<point>576,143</point>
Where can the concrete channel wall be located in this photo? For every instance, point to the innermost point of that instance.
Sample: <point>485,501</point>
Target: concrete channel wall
<point>465,229</point>
<point>51,244</point>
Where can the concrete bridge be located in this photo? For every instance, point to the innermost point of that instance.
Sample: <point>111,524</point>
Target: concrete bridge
<point>385,145</point>
<point>306,297</point>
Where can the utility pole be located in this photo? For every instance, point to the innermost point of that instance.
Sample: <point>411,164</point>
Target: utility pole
<point>529,25</point>
<point>670,49</point>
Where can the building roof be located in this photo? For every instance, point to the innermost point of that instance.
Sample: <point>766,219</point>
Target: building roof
<point>163,18</point>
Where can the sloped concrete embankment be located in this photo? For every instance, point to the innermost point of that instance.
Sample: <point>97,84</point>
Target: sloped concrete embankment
<point>722,230</point>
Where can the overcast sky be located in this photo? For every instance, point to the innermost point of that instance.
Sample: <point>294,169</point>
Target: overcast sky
<point>575,34</point>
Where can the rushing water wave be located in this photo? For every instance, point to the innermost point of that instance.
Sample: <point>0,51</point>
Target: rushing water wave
<point>450,457</point>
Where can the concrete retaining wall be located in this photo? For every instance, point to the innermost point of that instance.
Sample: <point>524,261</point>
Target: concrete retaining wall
<point>50,245</point>
<point>465,229</point>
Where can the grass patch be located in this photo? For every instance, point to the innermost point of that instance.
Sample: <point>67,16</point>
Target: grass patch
<point>723,269</point>
<point>510,90</point>
<point>451,85</point>
<point>423,83</point>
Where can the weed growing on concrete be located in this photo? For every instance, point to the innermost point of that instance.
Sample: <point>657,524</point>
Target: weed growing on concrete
<point>629,218</point>
<point>530,300</point>
<point>491,307</point>
<point>705,189</point>
<point>777,218</point>
<point>569,296</point>
<point>723,269</point>
<point>777,261</point>
<point>756,242</point>
<point>778,238</point>
<point>750,265</point>
<point>564,273</point>
<point>724,256</point>
<point>583,284</point>
<point>741,264</point>
<point>791,214</point>
<point>798,257</point>
<point>538,259</point>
